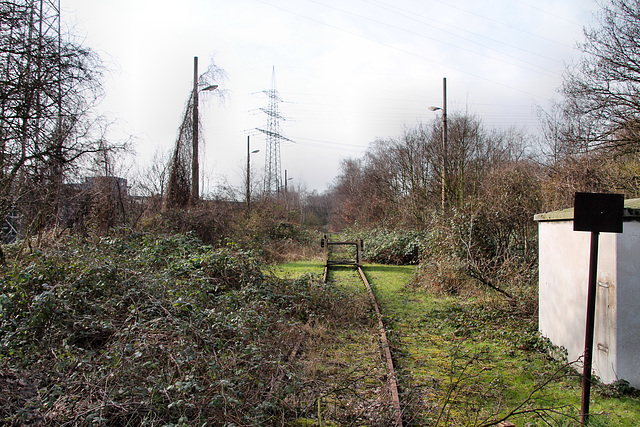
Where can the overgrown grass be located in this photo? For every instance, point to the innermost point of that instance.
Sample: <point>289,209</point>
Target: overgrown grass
<point>297,268</point>
<point>162,330</point>
<point>346,360</point>
<point>159,330</point>
<point>471,362</point>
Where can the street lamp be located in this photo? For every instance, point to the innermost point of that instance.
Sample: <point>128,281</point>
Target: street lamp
<point>195,167</point>
<point>285,181</point>
<point>249,153</point>
<point>286,192</point>
<point>444,135</point>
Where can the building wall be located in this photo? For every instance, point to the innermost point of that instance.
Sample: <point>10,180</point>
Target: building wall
<point>563,281</point>
<point>628,330</point>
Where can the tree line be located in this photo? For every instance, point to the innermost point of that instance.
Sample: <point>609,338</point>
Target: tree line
<point>496,180</point>
<point>590,142</point>
<point>49,84</point>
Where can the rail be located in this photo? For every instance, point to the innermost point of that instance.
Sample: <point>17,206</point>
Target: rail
<point>392,380</point>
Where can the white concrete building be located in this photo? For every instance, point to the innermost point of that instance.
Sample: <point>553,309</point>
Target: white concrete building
<point>563,283</point>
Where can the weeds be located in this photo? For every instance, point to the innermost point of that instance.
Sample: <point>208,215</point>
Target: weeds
<point>156,330</point>
<point>479,361</point>
<point>162,330</point>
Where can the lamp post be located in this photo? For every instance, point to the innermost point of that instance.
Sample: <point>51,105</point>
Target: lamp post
<point>195,167</point>
<point>286,192</point>
<point>444,136</point>
<point>249,153</point>
<point>285,182</point>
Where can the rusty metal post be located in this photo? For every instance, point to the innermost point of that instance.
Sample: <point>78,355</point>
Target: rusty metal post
<point>588,340</point>
<point>325,245</point>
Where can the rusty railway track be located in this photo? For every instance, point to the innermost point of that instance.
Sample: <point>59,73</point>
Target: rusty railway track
<point>345,260</point>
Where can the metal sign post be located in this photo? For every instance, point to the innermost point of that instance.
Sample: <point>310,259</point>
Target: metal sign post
<point>594,212</point>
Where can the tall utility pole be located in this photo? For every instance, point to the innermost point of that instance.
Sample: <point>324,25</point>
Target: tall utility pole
<point>444,140</point>
<point>45,26</point>
<point>286,179</point>
<point>248,196</point>
<point>195,167</point>
<point>47,123</point>
<point>272,165</point>
<point>249,153</point>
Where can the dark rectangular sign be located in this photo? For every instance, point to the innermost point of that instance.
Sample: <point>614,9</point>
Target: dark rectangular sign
<point>598,212</point>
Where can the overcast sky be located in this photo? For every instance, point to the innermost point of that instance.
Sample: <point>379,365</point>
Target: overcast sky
<point>349,71</point>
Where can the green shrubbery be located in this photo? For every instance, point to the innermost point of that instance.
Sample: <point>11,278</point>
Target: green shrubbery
<point>153,330</point>
<point>399,247</point>
<point>491,242</point>
<point>489,245</point>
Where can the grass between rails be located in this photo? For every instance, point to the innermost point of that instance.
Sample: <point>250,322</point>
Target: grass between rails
<point>474,362</point>
<point>345,361</point>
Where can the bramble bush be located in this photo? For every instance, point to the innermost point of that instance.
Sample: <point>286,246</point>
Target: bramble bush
<point>491,241</point>
<point>275,233</point>
<point>154,330</point>
<point>385,246</point>
<point>212,222</point>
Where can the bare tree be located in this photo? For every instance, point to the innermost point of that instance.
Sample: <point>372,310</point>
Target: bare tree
<point>48,85</point>
<point>398,181</point>
<point>316,209</point>
<point>151,182</point>
<point>602,91</point>
<point>405,169</point>
<point>347,193</point>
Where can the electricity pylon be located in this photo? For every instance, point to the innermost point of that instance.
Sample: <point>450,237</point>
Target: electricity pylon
<point>272,163</point>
